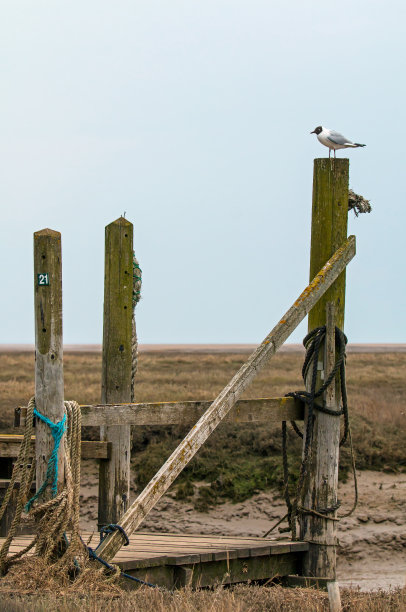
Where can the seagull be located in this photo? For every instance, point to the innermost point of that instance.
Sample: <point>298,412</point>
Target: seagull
<point>334,140</point>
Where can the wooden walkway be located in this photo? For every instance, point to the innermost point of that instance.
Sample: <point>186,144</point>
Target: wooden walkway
<point>176,560</point>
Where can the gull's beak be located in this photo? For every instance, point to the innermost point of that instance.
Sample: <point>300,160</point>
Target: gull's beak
<point>314,131</point>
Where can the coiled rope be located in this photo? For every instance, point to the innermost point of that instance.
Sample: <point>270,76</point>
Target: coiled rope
<point>55,516</point>
<point>313,342</point>
<point>60,514</point>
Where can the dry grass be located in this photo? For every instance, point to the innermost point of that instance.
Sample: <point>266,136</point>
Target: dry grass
<point>237,599</point>
<point>376,382</point>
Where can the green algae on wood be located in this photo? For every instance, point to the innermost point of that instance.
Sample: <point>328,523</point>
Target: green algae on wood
<point>114,474</point>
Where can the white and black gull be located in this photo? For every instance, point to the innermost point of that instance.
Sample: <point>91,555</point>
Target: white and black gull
<point>334,140</point>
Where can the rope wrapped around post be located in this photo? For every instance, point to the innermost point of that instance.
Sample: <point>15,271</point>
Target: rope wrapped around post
<point>61,512</point>
<point>312,343</point>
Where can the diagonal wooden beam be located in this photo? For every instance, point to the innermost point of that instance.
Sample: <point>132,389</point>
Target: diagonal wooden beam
<point>162,480</point>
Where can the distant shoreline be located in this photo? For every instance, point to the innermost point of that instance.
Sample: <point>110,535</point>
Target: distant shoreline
<point>207,348</point>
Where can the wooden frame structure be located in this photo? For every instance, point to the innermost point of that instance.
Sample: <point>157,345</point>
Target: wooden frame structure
<point>331,251</point>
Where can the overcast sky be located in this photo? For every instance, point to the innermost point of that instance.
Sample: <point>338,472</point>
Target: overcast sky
<point>194,116</point>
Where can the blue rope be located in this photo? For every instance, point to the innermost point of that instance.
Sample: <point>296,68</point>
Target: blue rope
<point>107,529</point>
<point>51,476</point>
<point>92,553</point>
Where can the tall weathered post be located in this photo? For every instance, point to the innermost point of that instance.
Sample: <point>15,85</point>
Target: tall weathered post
<point>49,391</point>
<point>329,231</point>
<point>114,476</point>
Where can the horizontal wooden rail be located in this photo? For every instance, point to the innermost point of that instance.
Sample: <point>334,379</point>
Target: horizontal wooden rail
<point>10,447</point>
<point>268,410</point>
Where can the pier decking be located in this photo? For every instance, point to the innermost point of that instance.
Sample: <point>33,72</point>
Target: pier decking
<point>176,560</point>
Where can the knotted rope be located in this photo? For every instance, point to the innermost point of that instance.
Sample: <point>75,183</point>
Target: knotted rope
<point>312,343</point>
<point>57,431</point>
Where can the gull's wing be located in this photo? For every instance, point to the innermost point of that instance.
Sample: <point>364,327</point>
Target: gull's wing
<point>338,138</point>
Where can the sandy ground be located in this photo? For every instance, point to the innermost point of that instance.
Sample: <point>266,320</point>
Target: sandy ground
<point>372,541</point>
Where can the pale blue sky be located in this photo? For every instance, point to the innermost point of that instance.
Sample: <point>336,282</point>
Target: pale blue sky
<point>194,118</point>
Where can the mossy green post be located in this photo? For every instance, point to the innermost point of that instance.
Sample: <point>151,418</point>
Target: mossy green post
<point>49,390</point>
<point>114,475</point>
<point>329,232</point>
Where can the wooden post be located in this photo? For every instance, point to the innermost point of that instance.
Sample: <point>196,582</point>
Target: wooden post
<point>329,229</point>
<point>114,474</point>
<point>334,597</point>
<point>227,398</point>
<point>49,391</point>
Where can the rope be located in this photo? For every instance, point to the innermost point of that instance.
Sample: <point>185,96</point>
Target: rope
<point>23,473</point>
<point>54,516</point>
<point>57,431</point>
<point>313,342</point>
<point>114,568</point>
<point>61,513</point>
<point>137,282</point>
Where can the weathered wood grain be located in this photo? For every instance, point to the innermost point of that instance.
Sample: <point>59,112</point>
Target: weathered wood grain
<point>49,390</point>
<point>334,597</point>
<point>322,483</point>
<point>262,410</point>
<point>271,410</point>
<point>228,397</point>
<point>329,229</point>
<point>10,446</point>
<point>114,474</point>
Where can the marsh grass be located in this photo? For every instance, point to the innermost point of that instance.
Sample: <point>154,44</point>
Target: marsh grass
<point>237,599</point>
<point>236,461</point>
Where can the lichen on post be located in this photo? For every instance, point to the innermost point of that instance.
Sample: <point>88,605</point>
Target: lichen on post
<point>114,475</point>
<point>329,230</point>
<point>49,389</point>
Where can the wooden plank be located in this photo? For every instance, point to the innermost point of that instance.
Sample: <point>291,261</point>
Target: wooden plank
<point>261,410</point>
<point>95,449</point>
<point>329,229</point>
<point>192,551</point>
<point>271,410</point>
<point>114,474</point>
<point>229,571</point>
<point>212,573</point>
<point>49,390</point>
<point>10,446</point>
<point>227,398</point>
<point>299,546</point>
<point>182,559</point>
<point>221,554</point>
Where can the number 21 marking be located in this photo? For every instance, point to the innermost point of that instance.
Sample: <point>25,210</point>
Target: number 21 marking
<point>43,279</point>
